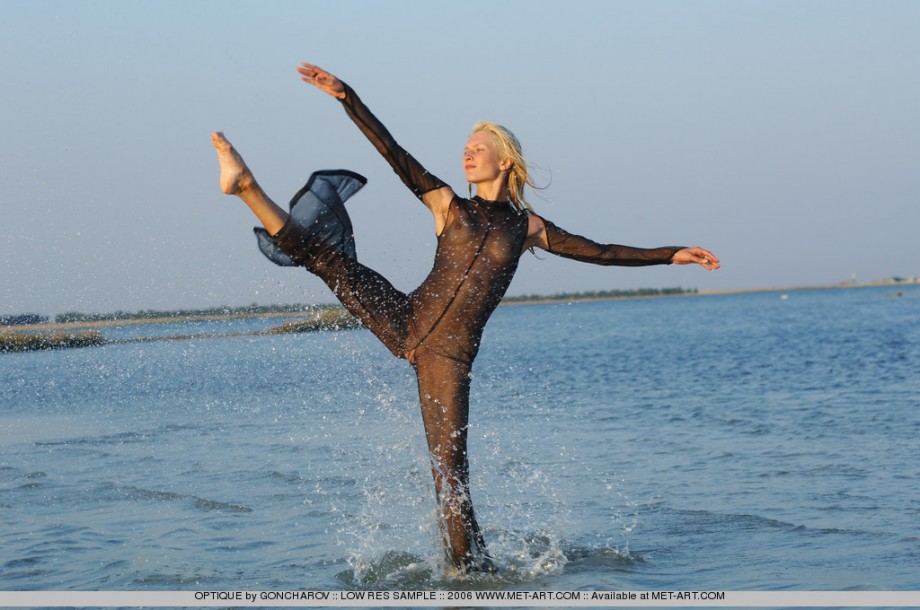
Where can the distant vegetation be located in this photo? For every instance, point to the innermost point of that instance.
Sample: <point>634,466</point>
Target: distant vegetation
<point>330,318</point>
<point>602,294</point>
<point>27,342</point>
<point>23,319</point>
<point>257,310</point>
<point>148,314</point>
<point>309,318</point>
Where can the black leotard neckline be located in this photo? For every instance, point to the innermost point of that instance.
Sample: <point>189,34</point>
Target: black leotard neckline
<point>491,201</point>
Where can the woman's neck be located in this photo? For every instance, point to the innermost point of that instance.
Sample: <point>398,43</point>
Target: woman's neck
<point>493,191</point>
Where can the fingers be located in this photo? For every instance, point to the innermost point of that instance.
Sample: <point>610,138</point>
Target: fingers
<point>321,79</point>
<point>705,258</point>
<point>309,73</point>
<point>700,256</point>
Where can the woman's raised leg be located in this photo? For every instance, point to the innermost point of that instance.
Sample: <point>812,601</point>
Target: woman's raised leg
<point>236,179</point>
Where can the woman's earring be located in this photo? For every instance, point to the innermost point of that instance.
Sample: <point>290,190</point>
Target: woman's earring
<point>469,187</point>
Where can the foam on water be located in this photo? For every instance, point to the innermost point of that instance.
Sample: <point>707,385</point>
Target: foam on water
<point>393,541</point>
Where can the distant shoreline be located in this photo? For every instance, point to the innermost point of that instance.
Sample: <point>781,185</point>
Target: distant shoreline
<point>67,335</point>
<point>708,293</point>
<point>301,313</point>
<point>54,326</point>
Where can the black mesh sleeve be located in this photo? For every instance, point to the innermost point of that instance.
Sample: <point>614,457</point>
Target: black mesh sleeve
<point>576,247</point>
<point>410,171</point>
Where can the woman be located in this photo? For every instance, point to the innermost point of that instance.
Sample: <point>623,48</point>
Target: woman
<point>437,327</point>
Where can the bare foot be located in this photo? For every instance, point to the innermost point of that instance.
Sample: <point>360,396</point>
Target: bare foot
<point>235,176</point>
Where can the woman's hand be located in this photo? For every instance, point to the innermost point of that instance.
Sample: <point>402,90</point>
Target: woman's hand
<point>321,79</point>
<point>702,257</point>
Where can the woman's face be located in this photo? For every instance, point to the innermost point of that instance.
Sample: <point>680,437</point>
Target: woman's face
<point>481,161</point>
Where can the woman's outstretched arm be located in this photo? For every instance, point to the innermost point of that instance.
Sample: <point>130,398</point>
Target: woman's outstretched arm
<point>433,192</point>
<point>547,236</point>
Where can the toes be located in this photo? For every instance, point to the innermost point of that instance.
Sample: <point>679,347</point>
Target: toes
<point>219,140</point>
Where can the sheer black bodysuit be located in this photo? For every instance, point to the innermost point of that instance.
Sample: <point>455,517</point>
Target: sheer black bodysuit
<point>438,326</point>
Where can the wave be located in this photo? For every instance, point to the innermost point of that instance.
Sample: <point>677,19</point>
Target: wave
<point>131,493</point>
<point>118,438</point>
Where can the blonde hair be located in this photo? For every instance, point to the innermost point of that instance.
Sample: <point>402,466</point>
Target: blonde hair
<point>510,148</point>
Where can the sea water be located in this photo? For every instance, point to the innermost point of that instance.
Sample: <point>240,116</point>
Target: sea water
<point>734,442</point>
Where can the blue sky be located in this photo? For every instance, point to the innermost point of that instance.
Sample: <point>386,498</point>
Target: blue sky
<point>783,135</point>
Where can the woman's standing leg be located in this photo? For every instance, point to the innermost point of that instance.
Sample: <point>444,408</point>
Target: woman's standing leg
<point>444,389</point>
